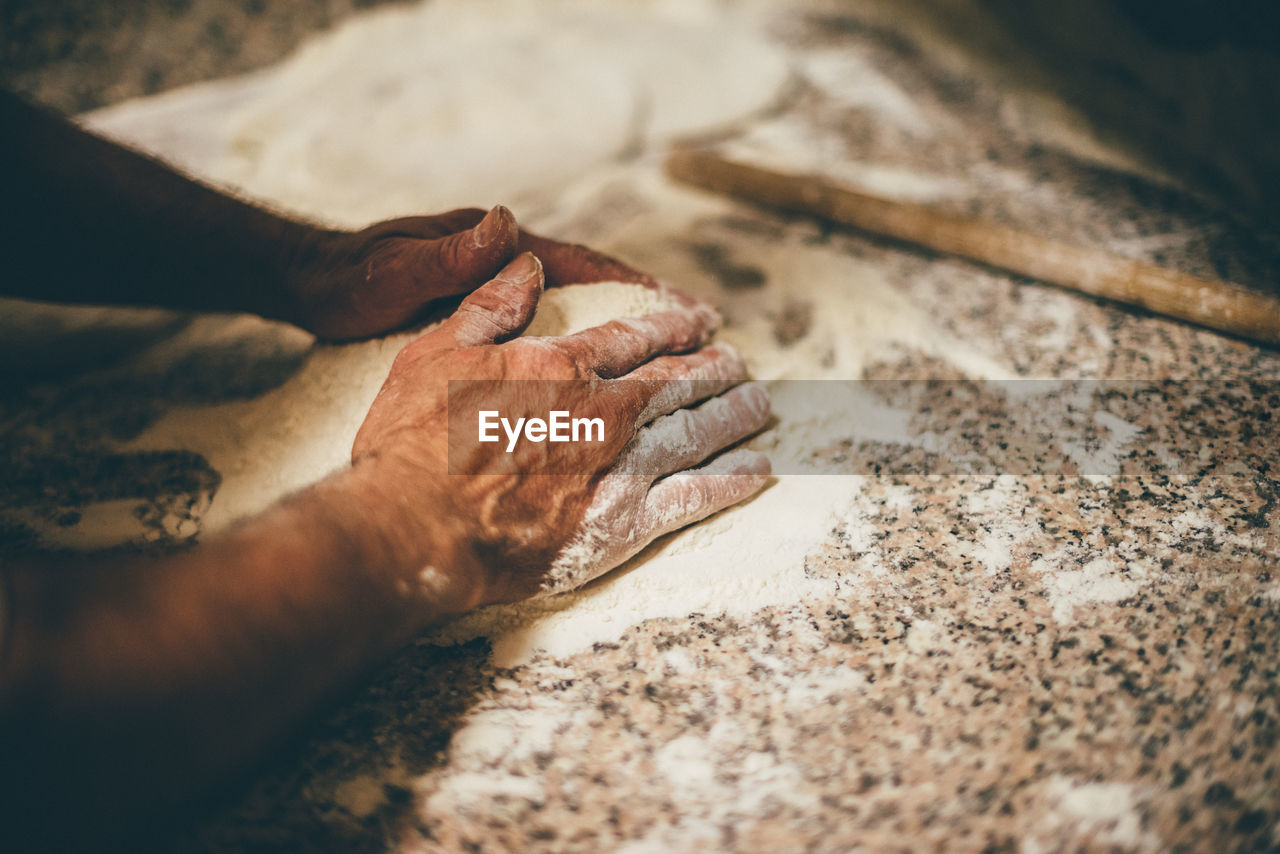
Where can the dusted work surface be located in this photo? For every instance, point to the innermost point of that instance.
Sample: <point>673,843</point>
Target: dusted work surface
<point>849,661</point>
<point>80,54</point>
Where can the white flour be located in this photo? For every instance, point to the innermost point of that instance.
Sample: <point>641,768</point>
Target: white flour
<point>392,113</point>
<point>1109,812</point>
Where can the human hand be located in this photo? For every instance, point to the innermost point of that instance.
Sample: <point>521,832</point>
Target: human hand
<point>343,285</point>
<point>509,530</point>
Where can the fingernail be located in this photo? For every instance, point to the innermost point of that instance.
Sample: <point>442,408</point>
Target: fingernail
<point>522,268</point>
<point>490,228</point>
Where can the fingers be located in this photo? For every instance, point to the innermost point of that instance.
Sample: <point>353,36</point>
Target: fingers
<point>692,496</point>
<point>500,309</point>
<point>569,263</point>
<point>620,346</point>
<point>686,437</point>
<point>681,381</point>
<point>465,259</point>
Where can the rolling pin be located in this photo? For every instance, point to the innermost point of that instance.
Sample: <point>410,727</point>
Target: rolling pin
<point>1214,304</point>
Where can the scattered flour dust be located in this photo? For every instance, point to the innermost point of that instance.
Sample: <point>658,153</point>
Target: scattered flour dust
<point>737,562</point>
<point>517,739</point>
<point>1104,813</point>
<point>1101,580</point>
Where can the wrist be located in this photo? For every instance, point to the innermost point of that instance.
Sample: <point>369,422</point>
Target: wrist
<point>239,258</point>
<point>408,530</point>
<point>291,260</point>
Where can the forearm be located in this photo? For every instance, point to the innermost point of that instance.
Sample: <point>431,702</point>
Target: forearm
<point>90,221</point>
<point>131,685</point>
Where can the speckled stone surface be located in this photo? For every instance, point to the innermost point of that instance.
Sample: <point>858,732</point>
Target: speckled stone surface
<point>1003,662</point>
<point>76,55</point>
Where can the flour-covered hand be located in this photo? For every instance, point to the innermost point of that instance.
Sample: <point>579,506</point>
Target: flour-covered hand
<point>514,530</point>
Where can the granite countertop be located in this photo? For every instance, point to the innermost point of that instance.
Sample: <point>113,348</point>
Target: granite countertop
<point>998,660</point>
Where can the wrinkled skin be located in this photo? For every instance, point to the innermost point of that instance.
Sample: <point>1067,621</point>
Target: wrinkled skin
<point>129,683</point>
<point>168,673</point>
<point>628,373</point>
<point>345,285</point>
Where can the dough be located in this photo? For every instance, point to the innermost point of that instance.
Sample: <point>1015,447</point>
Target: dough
<point>572,308</point>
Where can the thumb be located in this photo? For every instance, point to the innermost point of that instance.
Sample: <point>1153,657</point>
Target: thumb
<point>500,309</point>
<point>461,261</point>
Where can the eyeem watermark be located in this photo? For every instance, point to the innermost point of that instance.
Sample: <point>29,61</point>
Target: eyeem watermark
<point>558,426</point>
<point>1043,427</point>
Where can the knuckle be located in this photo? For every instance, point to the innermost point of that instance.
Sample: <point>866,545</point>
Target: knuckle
<point>730,360</point>
<point>620,327</point>
<point>677,370</point>
<point>452,251</point>
<point>757,401</point>
<point>633,334</point>
<point>567,369</point>
<point>411,352</point>
<point>578,357</point>
<point>477,324</point>
<point>551,362</point>
<point>387,259</point>
<point>631,398</point>
<point>698,492</point>
<point>680,329</point>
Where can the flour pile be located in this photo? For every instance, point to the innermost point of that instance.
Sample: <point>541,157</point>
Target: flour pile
<point>572,308</point>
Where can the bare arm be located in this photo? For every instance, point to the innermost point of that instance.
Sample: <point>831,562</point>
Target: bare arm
<point>89,221</point>
<point>129,683</point>
<point>126,687</point>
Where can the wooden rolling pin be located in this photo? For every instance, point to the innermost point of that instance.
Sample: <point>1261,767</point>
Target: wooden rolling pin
<point>1218,305</point>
